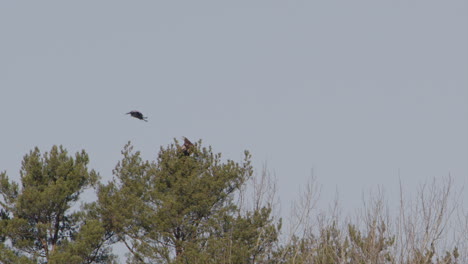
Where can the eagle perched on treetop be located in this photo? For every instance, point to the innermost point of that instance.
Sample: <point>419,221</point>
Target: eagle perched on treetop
<point>187,147</point>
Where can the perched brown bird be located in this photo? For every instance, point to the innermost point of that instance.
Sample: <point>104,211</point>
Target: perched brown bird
<point>187,147</point>
<point>138,115</point>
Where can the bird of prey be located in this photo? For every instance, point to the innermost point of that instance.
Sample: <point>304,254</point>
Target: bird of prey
<point>187,147</point>
<point>138,115</point>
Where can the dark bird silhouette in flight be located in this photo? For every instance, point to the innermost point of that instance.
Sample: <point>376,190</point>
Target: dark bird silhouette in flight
<point>138,115</point>
<point>187,147</point>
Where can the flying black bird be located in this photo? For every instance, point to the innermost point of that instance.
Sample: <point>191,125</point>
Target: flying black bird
<point>138,115</point>
<point>187,147</point>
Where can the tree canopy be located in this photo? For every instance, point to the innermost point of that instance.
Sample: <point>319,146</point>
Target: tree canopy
<point>36,217</point>
<point>180,209</point>
<point>187,206</point>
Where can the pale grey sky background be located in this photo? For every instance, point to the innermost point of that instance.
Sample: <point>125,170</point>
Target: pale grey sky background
<point>355,90</point>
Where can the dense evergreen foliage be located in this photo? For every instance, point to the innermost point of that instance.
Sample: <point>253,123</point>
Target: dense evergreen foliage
<point>184,207</point>
<point>37,219</point>
<point>179,209</point>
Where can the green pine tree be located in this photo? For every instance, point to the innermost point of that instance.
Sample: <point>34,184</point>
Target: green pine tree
<point>180,209</point>
<point>37,225</point>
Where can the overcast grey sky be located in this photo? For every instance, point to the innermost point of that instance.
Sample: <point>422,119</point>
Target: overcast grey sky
<point>355,90</point>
